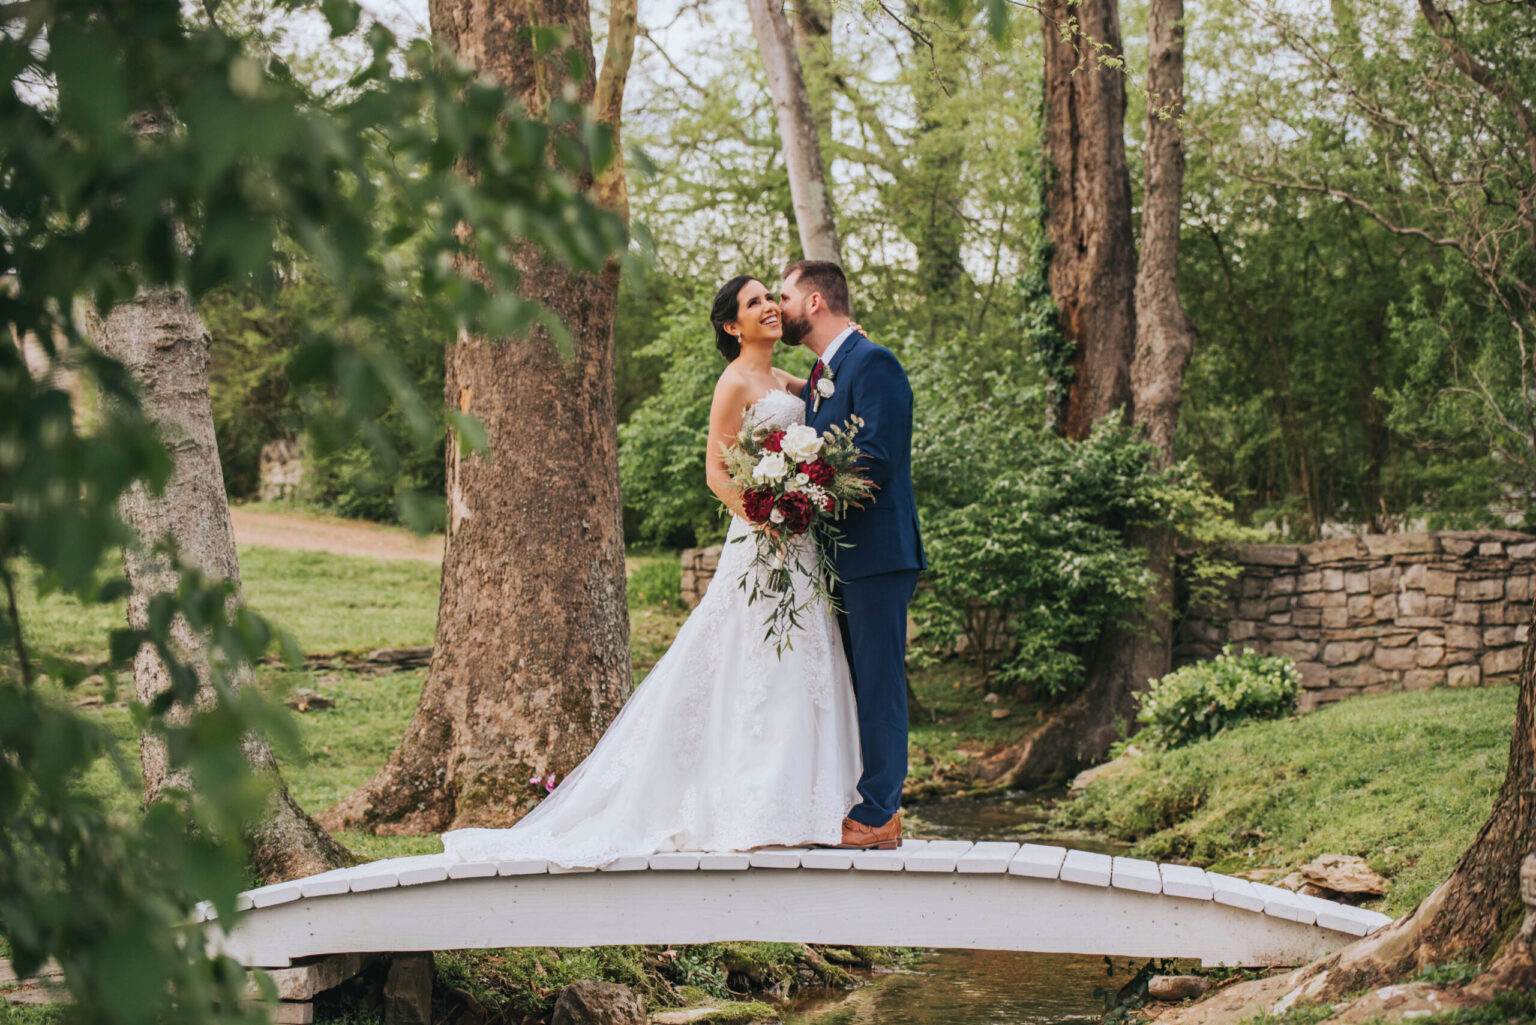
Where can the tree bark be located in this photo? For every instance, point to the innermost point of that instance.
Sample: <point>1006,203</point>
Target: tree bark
<point>160,338</point>
<point>1125,658</point>
<point>1088,220</point>
<point>808,187</point>
<point>531,659</point>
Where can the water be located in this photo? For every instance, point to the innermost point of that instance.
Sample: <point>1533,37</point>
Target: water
<point>979,987</point>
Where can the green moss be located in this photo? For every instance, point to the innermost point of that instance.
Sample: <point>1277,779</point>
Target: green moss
<point>738,1014</point>
<point>516,983</point>
<point>1403,780</point>
<point>32,1014</point>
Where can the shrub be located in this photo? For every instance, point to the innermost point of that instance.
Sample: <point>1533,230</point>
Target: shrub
<point>1200,700</point>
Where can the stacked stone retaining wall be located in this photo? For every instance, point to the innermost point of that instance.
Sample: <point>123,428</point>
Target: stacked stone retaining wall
<point>699,565</point>
<point>1378,613</point>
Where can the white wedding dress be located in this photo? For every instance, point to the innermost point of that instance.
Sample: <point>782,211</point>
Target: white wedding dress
<point>725,746</point>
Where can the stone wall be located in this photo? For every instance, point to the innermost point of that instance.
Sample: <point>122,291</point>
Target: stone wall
<point>1377,613</point>
<point>699,566</point>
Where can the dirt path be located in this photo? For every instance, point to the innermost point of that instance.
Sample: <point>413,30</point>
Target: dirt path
<point>331,534</point>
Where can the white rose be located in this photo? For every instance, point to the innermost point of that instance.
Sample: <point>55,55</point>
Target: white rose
<point>825,389</point>
<point>801,443</point>
<point>771,467</point>
<point>776,516</point>
<point>801,480</point>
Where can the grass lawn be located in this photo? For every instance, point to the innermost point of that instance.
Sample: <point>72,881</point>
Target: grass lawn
<point>1402,780</point>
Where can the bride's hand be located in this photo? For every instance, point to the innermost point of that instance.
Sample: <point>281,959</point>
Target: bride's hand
<point>855,325</point>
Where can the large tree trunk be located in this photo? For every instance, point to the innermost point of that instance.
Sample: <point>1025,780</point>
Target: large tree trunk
<point>1478,914</point>
<point>797,129</point>
<point>531,660</point>
<point>1088,215</point>
<point>160,338</point>
<point>1148,375</point>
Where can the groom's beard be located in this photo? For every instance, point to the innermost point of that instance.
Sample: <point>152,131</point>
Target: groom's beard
<point>794,330</point>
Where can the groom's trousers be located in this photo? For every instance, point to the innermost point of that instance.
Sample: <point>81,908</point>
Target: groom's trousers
<point>874,629</point>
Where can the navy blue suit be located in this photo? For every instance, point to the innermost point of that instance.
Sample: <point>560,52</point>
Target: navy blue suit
<point>879,572</point>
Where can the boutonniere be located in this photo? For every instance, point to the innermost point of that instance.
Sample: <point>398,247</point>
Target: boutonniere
<point>822,385</point>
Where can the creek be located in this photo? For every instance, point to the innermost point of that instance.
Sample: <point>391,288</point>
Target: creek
<point>978,987</point>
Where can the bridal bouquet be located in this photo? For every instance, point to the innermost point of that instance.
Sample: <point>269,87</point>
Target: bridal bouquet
<point>794,481</point>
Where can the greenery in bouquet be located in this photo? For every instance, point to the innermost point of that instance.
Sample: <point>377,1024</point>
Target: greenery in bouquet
<point>794,481</point>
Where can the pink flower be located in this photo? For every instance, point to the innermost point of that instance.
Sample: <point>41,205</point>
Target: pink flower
<point>549,784</point>
<point>535,781</point>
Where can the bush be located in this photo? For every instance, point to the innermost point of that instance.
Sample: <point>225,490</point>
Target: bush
<point>1025,531</point>
<point>1199,701</point>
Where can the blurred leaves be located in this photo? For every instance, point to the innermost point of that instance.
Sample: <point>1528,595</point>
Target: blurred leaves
<point>140,150</point>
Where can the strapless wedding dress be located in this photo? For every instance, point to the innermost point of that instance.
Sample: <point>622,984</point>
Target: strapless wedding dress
<point>725,746</point>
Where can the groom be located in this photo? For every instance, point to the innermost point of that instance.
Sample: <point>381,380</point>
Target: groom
<point>855,377</point>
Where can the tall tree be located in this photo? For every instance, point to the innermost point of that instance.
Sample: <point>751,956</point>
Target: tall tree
<point>531,659</point>
<point>1132,338</point>
<point>159,337</point>
<point>808,185</point>
<point>1088,208</point>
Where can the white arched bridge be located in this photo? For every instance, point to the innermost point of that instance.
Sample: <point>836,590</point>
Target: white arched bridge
<point>942,894</point>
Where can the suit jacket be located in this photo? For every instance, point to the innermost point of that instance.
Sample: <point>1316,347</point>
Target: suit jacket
<point>869,382</point>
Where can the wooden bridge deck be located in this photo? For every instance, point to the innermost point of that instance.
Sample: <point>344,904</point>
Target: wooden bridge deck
<point>945,894</point>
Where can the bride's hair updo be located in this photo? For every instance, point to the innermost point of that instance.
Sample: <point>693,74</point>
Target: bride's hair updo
<point>725,309</point>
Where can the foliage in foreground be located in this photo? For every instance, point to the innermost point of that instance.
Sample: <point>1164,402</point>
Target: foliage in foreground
<point>143,150</point>
<point>1402,780</point>
<point>1198,701</point>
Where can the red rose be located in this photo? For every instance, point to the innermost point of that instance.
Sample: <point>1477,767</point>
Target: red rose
<point>829,504</point>
<point>797,510</point>
<point>774,442</point>
<point>820,471</point>
<point>757,503</point>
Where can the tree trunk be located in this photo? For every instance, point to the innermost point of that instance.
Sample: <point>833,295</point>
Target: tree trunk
<point>1126,657</point>
<point>531,660</point>
<point>160,338</point>
<point>1478,914</point>
<point>797,129</point>
<point>1088,218</point>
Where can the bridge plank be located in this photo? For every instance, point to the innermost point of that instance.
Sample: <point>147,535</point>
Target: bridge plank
<point>1087,867</point>
<point>1135,874</point>
<point>630,863</point>
<point>522,867</point>
<point>724,861</point>
<point>424,868</point>
<point>827,858</point>
<point>989,856</point>
<point>376,875</point>
<point>1186,881</point>
<point>1285,904</point>
<point>326,884</point>
<point>1037,861</point>
<point>675,861</point>
<point>569,870</point>
<point>276,893</point>
<point>471,869</point>
<point>777,857</point>
<point>1346,918</point>
<point>1234,892</point>
<point>937,856</point>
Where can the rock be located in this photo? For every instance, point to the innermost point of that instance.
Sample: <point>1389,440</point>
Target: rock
<point>597,1003</point>
<point>305,699</point>
<point>91,701</point>
<point>990,698</point>
<point>1089,775</point>
<point>1399,1003</point>
<point>1343,874</point>
<point>754,1013</point>
<point>408,990</point>
<point>1001,713</point>
<point>1177,987</point>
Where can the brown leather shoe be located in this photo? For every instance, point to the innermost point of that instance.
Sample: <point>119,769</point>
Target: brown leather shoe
<point>859,837</point>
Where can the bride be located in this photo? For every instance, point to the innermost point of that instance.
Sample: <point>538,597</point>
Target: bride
<point>724,746</point>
